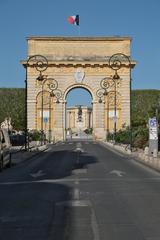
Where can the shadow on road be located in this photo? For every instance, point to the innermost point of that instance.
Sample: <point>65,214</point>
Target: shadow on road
<point>33,209</point>
<point>62,163</point>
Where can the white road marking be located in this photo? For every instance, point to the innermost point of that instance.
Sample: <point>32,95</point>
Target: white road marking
<point>77,182</point>
<point>74,203</point>
<point>118,173</point>
<point>94,225</point>
<point>78,150</point>
<point>79,171</point>
<point>79,145</point>
<point>76,194</point>
<point>40,173</point>
<point>83,203</point>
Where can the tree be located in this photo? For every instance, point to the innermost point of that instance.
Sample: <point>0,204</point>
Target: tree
<point>12,104</point>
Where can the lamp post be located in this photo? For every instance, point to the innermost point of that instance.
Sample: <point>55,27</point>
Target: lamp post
<point>41,63</point>
<point>43,102</point>
<point>116,62</point>
<point>54,92</point>
<point>51,95</point>
<point>106,84</point>
<point>50,115</point>
<point>53,87</point>
<point>100,94</point>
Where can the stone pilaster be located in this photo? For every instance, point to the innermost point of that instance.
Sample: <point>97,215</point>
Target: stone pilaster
<point>125,93</point>
<point>99,121</point>
<point>31,103</point>
<point>59,122</point>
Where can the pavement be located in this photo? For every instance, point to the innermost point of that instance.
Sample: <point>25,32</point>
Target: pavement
<point>18,154</point>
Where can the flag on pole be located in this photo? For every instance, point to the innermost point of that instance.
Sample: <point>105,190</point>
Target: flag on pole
<point>73,20</point>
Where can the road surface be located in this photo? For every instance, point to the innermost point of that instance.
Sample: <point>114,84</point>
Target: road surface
<point>79,190</point>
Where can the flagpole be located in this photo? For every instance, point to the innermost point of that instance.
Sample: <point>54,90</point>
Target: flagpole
<point>79,31</point>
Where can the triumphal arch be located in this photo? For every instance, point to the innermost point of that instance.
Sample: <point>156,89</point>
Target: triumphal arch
<point>56,65</point>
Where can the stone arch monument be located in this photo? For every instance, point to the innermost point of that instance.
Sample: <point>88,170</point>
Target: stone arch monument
<point>75,62</point>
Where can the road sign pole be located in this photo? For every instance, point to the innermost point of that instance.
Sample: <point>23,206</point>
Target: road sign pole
<point>153,135</point>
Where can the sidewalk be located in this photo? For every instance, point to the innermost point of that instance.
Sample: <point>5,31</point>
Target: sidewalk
<point>18,156</point>
<point>139,155</point>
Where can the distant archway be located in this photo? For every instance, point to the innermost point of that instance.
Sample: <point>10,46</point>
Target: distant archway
<point>78,86</point>
<point>78,112</point>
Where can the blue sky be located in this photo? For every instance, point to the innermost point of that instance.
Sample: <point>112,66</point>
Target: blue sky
<point>139,19</point>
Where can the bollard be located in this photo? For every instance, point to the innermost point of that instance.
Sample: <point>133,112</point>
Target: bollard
<point>150,160</point>
<point>146,158</point>
<point>146,150</point>
<point>141,156</point>
<point>158,164</point>
<point>155,153</point>
<point>155,163</point>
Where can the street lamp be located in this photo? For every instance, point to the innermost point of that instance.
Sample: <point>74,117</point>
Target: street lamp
<point>41,64</point>
<point>51,94</point>
<point>116,62</point>
<point>54,92</point>
<point>100,94</point>
<point>107,85</point>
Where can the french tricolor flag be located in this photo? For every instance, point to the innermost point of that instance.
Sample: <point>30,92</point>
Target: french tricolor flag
<point>73,20</point>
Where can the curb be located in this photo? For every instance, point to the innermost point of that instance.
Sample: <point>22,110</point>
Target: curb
<point>116,148</point>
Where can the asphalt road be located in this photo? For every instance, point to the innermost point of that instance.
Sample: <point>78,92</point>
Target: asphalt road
<point>79,191</point>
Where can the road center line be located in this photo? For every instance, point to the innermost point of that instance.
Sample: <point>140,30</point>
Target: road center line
<point>76,194</point>
<point>94,225</point>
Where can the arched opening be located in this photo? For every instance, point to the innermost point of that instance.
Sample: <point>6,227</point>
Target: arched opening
<point>79,114</point>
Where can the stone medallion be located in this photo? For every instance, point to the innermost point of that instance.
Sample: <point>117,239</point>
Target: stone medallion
<point>79,75</point>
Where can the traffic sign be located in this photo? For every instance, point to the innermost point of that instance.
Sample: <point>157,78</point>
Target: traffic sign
<point>153,122</point>
<point>153,135</point>
<point>45,119</point>
<point>153,130</point>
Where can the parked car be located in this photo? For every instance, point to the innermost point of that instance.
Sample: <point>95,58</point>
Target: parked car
<point>17,140</point>
<point>5,148</point>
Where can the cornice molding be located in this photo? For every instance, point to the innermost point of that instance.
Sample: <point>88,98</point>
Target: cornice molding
<point>63,38</point>
<point>77,64</point>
